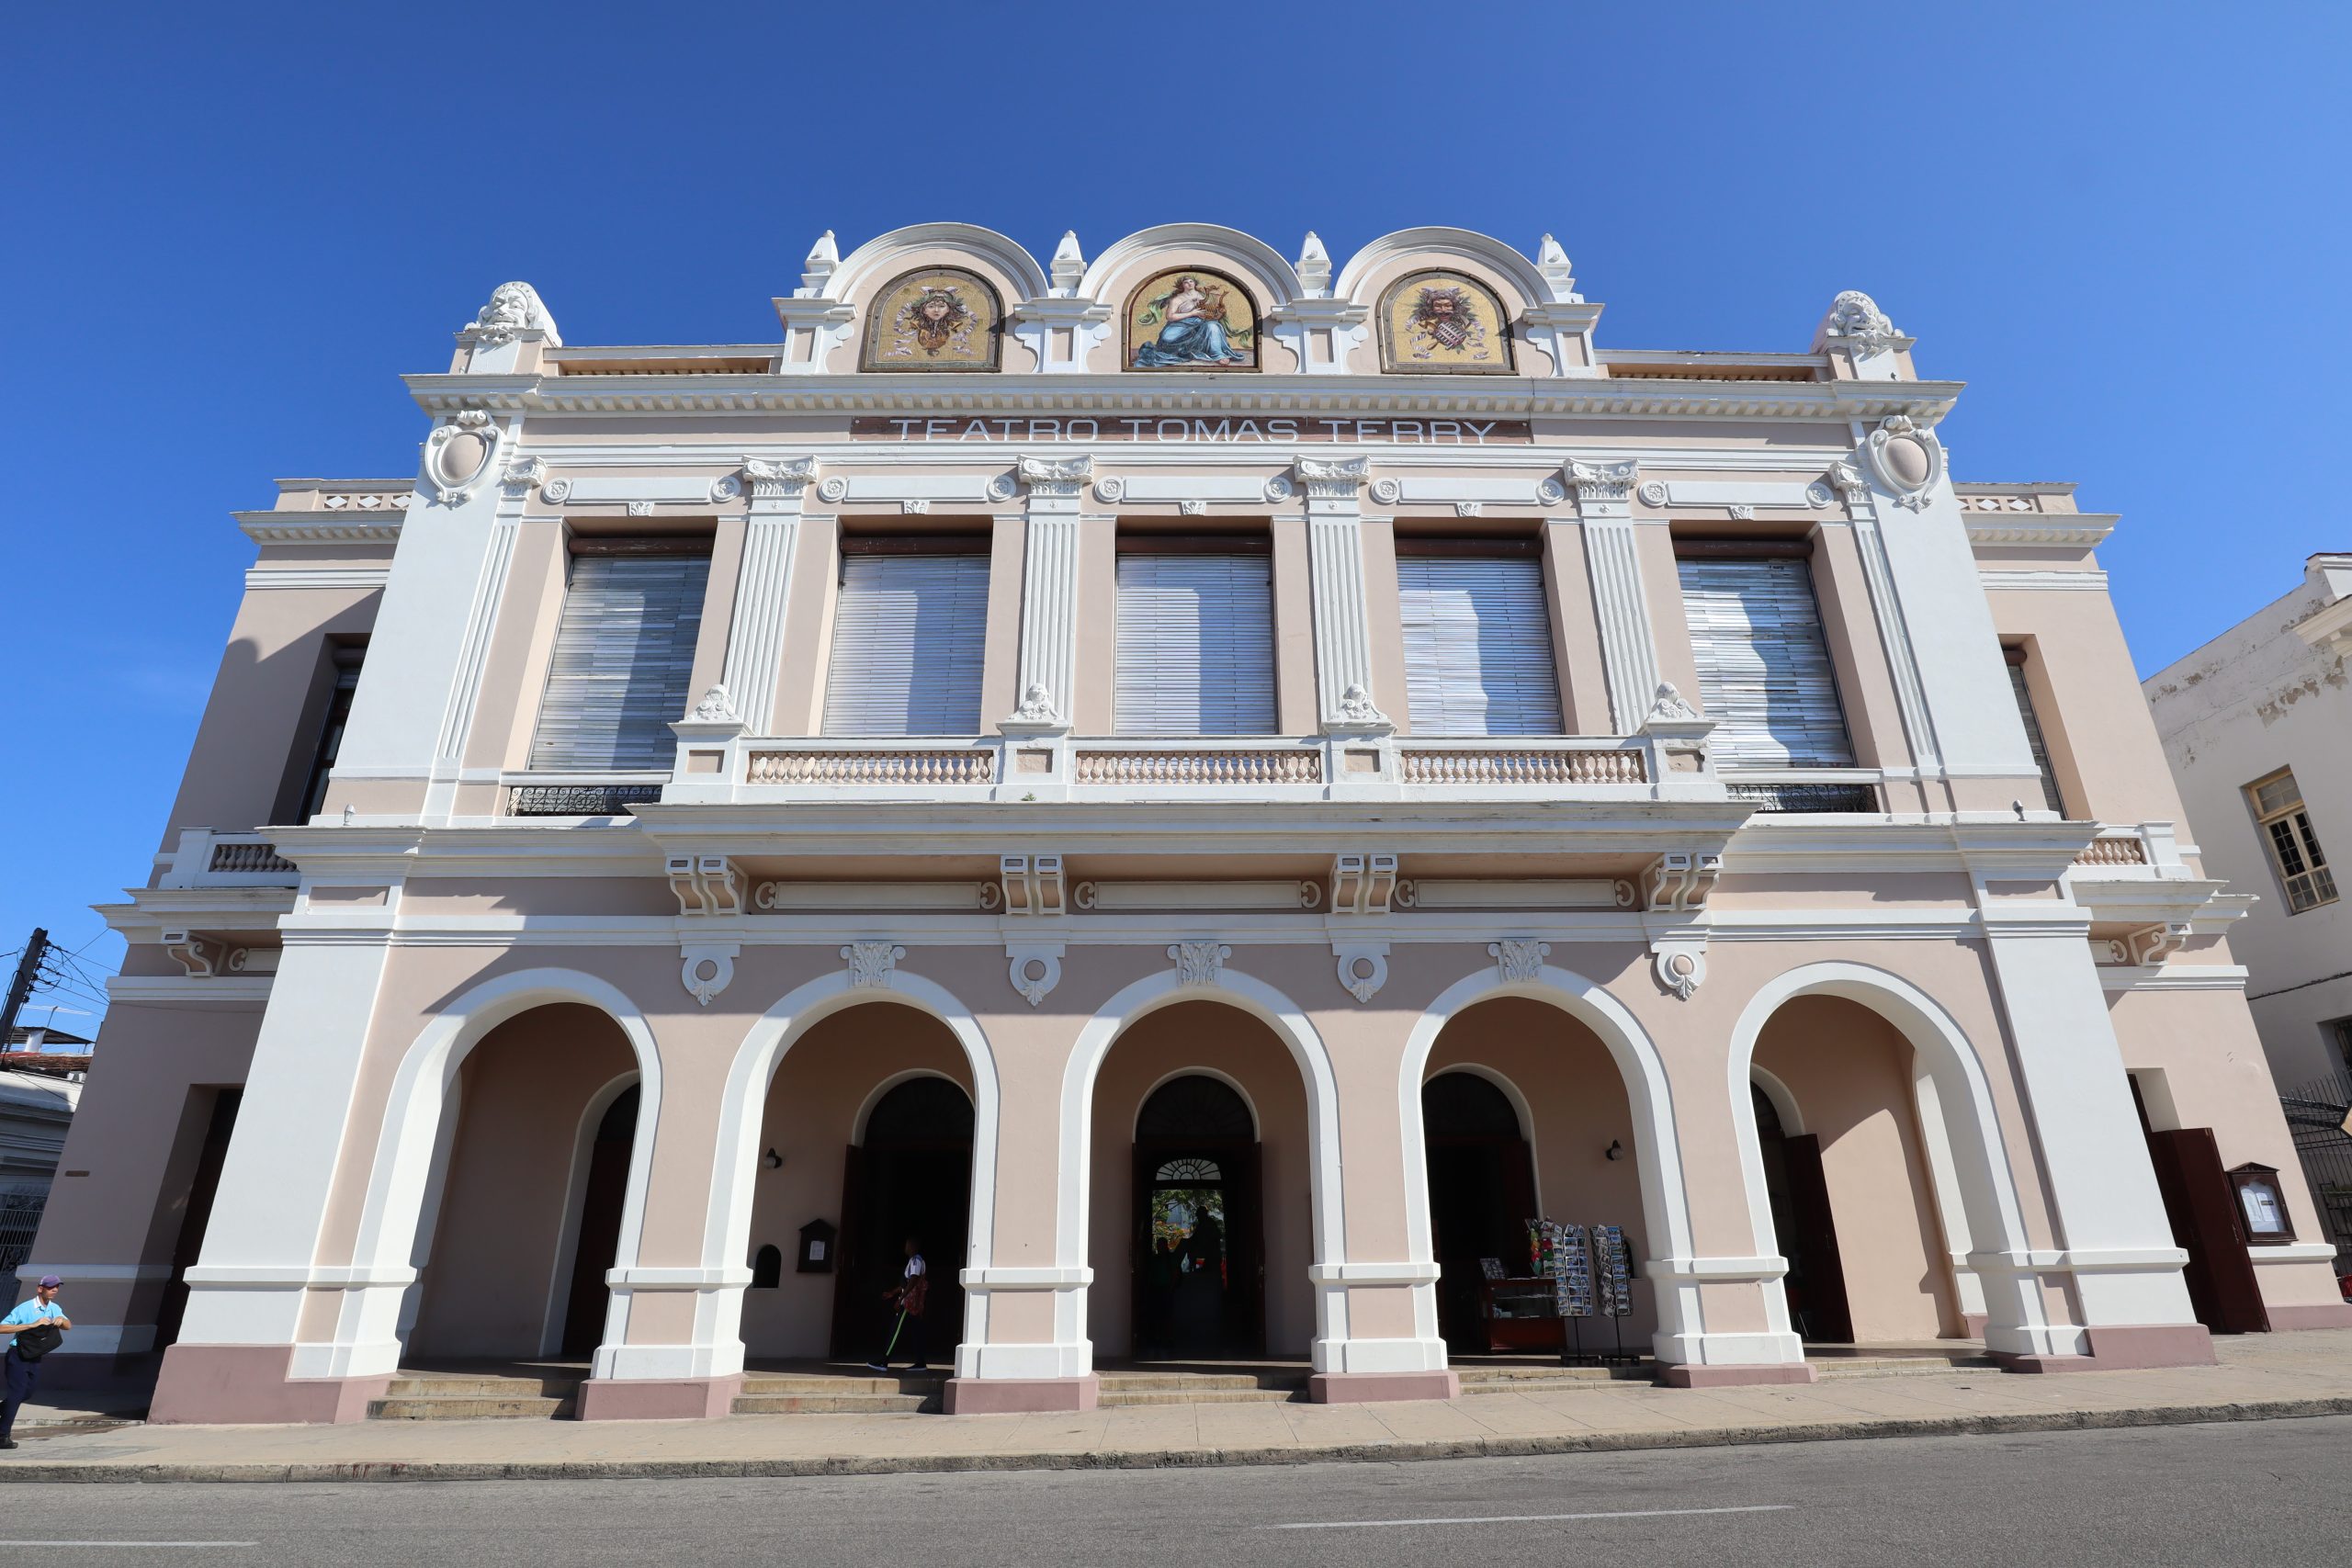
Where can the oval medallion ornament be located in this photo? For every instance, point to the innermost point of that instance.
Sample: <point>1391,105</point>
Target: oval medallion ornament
<point>1907,459</point>
<point>457,453</point>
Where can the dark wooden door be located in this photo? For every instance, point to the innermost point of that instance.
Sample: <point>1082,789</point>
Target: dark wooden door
<point>199,1215</point>
<point>852,1314</point>
<point>1816,1282</point>
<point>2220,1274</point>
<point>600,1234</point>
<point>1242,1247</point>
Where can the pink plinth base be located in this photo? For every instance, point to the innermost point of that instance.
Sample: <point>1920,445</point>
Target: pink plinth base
<point>1368,1388</point>
<point>1020,1396</point>
<point>1734,1374</point>
<point>2293,1317</point>
<point>1971,1324</point>
<point>657,1399</point>
<point>235,1384</point>
<point>2124,1347</point>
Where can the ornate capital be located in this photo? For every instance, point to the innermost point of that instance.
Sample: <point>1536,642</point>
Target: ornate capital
<point>1061,477</point>
<point>1601,481</point>
<point>1856,321</point>
<point>779,478</point>
<point>1333,479</point>
<point>522,476</point>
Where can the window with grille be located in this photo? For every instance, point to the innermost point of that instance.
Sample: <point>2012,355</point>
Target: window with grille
<point>1196,644</point>
<point>2033,738</point>
<point>1477,634</point>
<point>909,635</point>
<point>624,656</point>
<point>1764,670</point>
<point>2294,849</point>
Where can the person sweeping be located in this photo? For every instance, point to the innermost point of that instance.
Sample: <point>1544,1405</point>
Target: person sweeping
<point>908,1295</point>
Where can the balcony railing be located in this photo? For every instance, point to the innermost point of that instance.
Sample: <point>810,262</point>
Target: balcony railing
<point>1040,764</point>
<point>2132,851</point>
<point>205,857</point>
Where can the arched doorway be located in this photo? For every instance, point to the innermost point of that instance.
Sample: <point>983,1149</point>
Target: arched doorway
<point>1482,1195</point>
<point>1854,1206</point>
<point>1197,1232</point>
<point>910,1177</point>
<point>598,1229</point>
<point>516,1249</point>
<point>1568,1109</point>
<point>1799,1195</point>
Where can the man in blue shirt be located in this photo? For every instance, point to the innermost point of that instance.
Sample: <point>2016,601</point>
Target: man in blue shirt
<point>39,1311</point>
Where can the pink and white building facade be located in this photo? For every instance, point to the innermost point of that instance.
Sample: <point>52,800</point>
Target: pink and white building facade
<point>1347,735</point>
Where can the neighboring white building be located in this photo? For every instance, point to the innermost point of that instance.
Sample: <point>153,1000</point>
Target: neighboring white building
<point>2257,726</point>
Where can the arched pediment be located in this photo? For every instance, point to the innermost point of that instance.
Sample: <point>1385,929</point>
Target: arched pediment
<point>1370,269</point>
<point>1123,266</point>
<point>881,260</point>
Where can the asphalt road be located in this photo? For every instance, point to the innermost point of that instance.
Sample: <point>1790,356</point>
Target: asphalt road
<point>2256,1492</point>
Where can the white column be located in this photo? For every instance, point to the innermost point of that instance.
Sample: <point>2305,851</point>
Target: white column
<point>440,605</point>
<point>1886,609</point>
<point>2113,1234</point>
<point>755,634</point>
<point>1603,493</point>
<point>261,1246</point>
<point>1335,570</point>
<point>1049,585</point>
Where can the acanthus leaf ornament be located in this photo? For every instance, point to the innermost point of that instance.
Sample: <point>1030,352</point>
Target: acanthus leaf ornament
<point>1601,481</point>
<point>717,706</point>
<point>870,963</point>
<point>1035,968</point>
<point>1669,705</point>
<point>522,476</point>
<point>1680,965</point>
<point>706,968</point>
<point>1334,479</point>
<point>1361,966</point>
<point>1519,960</point>
<point>1856,320</point>
<point>1200,963</point>
<point>778,479</point>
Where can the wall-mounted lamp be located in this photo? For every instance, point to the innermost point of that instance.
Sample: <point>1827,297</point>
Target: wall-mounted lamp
<point>1616,1150</point>
<point>775,1161</point>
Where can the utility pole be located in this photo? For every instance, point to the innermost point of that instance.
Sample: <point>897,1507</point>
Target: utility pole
<point>21,987</point>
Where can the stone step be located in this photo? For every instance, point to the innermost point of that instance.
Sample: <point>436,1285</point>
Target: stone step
<point>436,1385</point>
<point>1902,1367</point>
<point>1148,1382</point>
<point>786,1385</point>
<point>1524,1380</point>
<point>470,1407</point>
<point>1114,1398</point>
<point>833,1403</point>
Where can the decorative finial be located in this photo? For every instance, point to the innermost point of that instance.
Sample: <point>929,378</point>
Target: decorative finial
<point>823,256</point>
<point>514,308</point>
<point>1314,267</point>
<point>1069,264</point>
<point>1855,318</point>
<point>1552,263</point>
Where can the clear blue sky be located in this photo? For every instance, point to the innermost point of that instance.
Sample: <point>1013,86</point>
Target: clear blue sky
<point>230,229</point>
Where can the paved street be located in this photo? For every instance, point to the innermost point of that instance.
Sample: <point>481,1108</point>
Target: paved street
<point>2258,1492</point>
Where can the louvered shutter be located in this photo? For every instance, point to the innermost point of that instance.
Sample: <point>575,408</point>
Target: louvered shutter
<point>1764,672</point>
<point>909,633</point>
<point>1197,645</point>
<point>1478,647</point>
<point>624,657</point>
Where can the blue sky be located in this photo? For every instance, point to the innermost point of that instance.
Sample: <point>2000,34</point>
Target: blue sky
<point>230,229</point>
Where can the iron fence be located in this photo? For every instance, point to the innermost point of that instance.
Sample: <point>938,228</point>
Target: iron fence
<point>20,1207</point>
<point>2316,1115</point>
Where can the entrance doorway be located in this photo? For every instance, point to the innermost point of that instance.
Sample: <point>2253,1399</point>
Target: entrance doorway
<point>910,1177</point>
<point>600,1229</point>
<point>1482,1195</point>
<point>1798,1192</point>
<point>1198,1257</point>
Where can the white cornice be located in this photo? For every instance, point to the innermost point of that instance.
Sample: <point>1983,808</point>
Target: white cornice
<point>359,577</point>
<point>1997,581</point>
<point>2086,529</point>
<point>1926,402</point>
<point>318,528</point>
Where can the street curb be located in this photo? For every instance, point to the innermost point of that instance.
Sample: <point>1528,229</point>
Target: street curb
<point>98,1471</point>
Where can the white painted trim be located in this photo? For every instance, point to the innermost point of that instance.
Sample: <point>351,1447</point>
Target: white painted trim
<point>368,1341</point>
<point>1988,1187</point>
<point>1665,1209</point>
<point>356,577</point>
<point>873,1097</point>
<point>1783,1102</point>
<point>726,1226</point>
<point>1997,581</point>
<point>1519,1108</point>
<point>2114,978</point>
<point>575,1188</point>
<point>2293,1252</point>
<point>1257,1123</point>
<point>1074,1193</point>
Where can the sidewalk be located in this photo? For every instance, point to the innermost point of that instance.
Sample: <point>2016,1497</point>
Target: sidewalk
<point>2261,1377</point>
